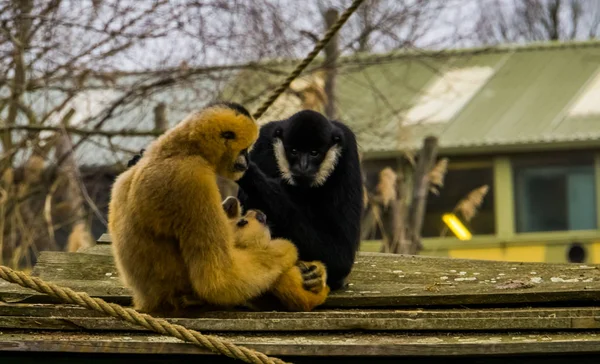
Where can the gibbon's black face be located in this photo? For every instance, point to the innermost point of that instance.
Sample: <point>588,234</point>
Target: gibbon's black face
<point>241,162</point>
<point>307,147</point>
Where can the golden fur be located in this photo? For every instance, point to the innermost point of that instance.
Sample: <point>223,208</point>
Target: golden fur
<point>171,237</point>
<point>289,288</point>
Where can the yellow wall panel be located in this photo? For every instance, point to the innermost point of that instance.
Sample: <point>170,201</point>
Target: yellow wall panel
<point>530,253</point>
<point>595,253</point>
<point>483,254</point>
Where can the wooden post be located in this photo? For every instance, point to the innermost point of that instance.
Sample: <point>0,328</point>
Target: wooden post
<point>17,85</point>
<point>331,56</point>
<point>503,198</point>
<point>80,235</point>
<point>399,215</point>
<point>160,117</point>
<point>416,212</point>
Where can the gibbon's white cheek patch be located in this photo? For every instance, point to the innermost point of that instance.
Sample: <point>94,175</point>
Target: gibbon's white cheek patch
<point>327,165</point>
<point>282,162</point>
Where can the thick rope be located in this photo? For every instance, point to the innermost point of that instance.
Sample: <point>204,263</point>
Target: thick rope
<point>309,58</point>
<point>161,326</point>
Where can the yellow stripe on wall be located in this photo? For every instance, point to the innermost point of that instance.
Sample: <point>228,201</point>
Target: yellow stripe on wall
<point>595,250</point>
<point>532,253</point>
<point>483,254</point>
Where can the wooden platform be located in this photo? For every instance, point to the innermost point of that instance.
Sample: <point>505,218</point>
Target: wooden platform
<point>395,306</point>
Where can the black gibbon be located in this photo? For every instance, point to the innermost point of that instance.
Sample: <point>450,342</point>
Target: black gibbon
<point>305,175</point>
<point>171,237</point>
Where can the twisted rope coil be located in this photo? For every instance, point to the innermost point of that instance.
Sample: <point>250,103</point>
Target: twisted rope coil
<point>161,326</point>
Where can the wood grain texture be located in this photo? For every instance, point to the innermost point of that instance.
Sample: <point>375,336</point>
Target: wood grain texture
<point>394,306</point>
<point>343,344</point>
<point>377,280</point>
<point>69,318</point>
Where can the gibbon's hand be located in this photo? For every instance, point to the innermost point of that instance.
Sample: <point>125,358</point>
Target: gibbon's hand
<point>303,287</point>
<point>313,276</point>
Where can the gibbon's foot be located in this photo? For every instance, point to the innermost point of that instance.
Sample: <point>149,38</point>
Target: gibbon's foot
<point>313,276</point>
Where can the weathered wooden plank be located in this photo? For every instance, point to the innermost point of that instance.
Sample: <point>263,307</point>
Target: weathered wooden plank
<point>98,249</point>
<point>67,318</point>
<point>104,239</point>
<point>75,266</point>
<point>376,280</point>
<point>12,293</point>
<point>344,344</point>
<point>66,310</point>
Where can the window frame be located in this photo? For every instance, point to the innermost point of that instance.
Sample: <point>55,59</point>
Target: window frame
<point>585,158</point>
<point>504,192</point>
<point>467,163</point>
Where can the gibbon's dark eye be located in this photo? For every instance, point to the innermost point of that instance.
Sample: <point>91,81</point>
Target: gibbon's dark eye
<point>278,133</point>
<point>294,152</point>
<point>242,223</point>
<point>314,153</point>
<point>228,135</point>
<point>336,139</point>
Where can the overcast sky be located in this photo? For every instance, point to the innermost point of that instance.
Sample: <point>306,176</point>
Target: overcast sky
<point>451,29</point>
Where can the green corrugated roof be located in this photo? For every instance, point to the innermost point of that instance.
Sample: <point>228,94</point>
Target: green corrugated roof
<point>181,99</point>
<point>525,100</point>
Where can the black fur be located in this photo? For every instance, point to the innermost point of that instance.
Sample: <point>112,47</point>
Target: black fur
<point>323,222</point>
<point>133,161</point>
<point>233,106</point>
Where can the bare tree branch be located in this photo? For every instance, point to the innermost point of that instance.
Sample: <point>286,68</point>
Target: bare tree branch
<point>537,20</point>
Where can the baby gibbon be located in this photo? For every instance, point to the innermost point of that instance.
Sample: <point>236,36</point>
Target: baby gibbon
<point>300,288</point>
<point>171,237</point>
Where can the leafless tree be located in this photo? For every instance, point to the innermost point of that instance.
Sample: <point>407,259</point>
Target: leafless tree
<point>501,21</point>
<point>68,68</point>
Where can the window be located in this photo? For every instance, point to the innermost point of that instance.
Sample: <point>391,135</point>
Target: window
<point>555,194</point>
<point>447,95</point>
<point>587,104</point>
<point>461,179</point>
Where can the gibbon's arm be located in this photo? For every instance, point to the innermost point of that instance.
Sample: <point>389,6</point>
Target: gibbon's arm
<point>268,193</point>
<point>334,250</point>
<point>346,207</point>
<point>220,273</point>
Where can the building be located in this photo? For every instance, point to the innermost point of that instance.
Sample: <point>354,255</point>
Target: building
<point>523,120</point>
